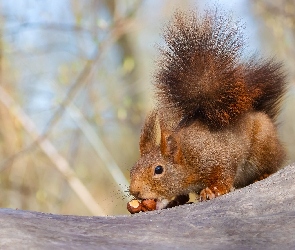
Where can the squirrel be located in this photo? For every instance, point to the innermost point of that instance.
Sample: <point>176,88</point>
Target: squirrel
<point>213,128</point>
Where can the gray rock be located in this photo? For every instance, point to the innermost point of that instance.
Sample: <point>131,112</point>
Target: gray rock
<point>260,216</point>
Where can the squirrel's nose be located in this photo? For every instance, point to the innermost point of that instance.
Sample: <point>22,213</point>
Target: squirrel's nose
<point>136,194</point>
<point>133,191</point>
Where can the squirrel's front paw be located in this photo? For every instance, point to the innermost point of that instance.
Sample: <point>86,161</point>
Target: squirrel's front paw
<point>206,194</point>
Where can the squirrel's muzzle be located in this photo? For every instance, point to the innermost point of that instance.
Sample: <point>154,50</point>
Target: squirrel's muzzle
<point>134,190</point>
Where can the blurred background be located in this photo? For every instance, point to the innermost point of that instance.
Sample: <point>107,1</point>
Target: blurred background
<point>75,86</point>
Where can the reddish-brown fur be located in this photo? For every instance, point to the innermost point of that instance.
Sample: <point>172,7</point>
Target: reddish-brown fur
<point>215,113</point>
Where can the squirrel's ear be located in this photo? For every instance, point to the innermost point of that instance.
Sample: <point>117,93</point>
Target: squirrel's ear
<point>169,146</point>
<point>148,137</point>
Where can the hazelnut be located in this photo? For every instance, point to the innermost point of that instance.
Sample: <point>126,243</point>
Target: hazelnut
<point>134,206</point>
<point>148,205</point>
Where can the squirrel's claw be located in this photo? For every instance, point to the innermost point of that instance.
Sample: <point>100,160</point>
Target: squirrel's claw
<point>207,194</point>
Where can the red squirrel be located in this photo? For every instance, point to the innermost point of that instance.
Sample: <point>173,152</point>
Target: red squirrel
<point>213,128</point>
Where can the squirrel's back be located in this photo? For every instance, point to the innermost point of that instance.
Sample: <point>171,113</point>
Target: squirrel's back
<point>202,74</point>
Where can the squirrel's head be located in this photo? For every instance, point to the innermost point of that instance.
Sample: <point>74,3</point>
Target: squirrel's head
<point>160,172</point>
<point>155,176</point>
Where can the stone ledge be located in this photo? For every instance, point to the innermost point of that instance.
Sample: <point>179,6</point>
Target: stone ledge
<point>260,216</point>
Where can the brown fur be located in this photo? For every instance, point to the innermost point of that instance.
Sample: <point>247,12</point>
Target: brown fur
<point>216,114</point>
<point>201,73</point>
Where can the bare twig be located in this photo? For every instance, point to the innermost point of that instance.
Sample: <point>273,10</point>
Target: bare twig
<point>47,147</point>
<point>119,28</point>
<point>45,26</point>
<point>99,148</point>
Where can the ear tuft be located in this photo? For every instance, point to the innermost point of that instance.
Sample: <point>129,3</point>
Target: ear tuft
<point>148,137</point>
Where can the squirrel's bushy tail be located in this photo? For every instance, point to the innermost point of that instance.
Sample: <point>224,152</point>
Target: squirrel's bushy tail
<point>202,76</point>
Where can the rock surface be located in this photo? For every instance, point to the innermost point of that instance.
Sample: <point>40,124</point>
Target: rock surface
<point>260,216</point>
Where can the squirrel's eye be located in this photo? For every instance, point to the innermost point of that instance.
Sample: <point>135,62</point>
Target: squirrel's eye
<point>159,169</point>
